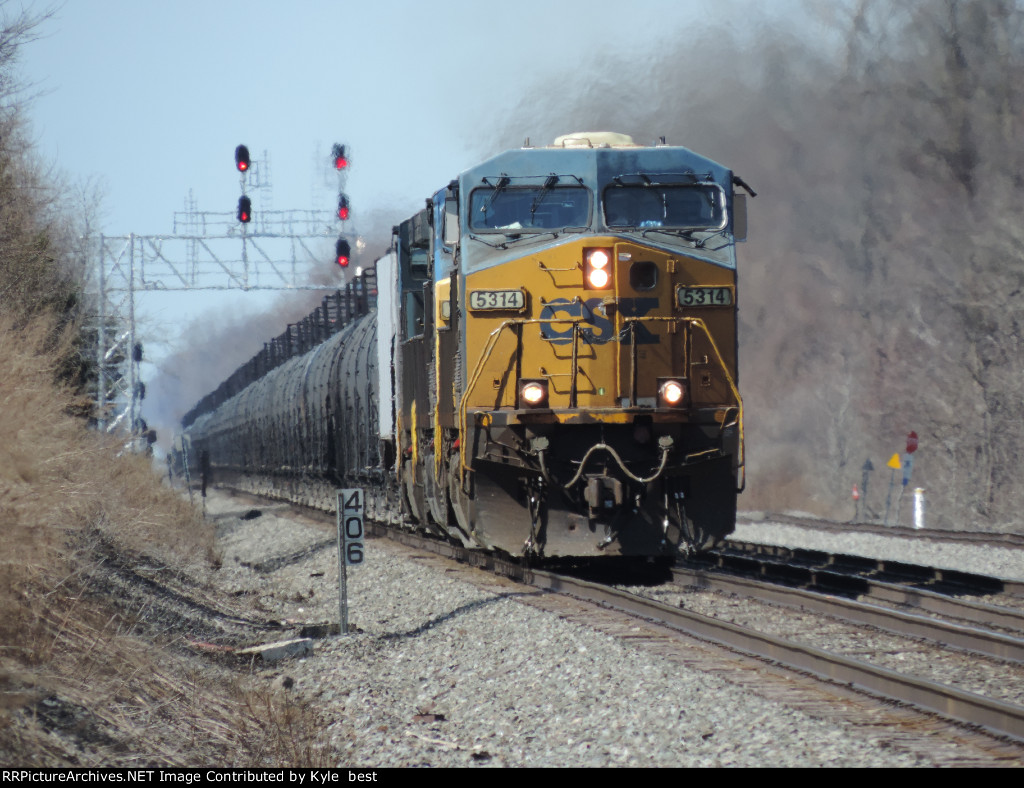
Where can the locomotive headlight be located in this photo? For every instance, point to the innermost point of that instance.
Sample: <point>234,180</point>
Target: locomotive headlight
<point>533,393</point>
<point>597,269</point>
<point>672,392</point>
<point>598,279</point>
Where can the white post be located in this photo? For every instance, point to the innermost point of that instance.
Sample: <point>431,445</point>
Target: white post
<point>919,507</point>
<point>101,346</point>
<point>350,545</point>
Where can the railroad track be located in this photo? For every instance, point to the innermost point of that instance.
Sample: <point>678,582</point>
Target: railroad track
<point>816,679</point>
<point>855,575</point>
<point>958,623</point>
<point>982,538</point>
<point>999,717</point>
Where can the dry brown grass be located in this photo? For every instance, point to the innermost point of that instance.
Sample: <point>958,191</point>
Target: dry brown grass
<point>85,676</point>
<point>58,480</point>
<point>82,680</point>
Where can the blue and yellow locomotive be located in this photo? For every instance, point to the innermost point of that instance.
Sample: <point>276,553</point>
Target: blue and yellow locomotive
<point>565,351</point>
<point>549,367</point>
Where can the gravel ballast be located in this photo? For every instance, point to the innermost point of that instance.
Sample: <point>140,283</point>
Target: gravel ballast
<point>1006,563</point>
<point>444,672</point>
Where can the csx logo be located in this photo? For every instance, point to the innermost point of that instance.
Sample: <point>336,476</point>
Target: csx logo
<point>598,327</point>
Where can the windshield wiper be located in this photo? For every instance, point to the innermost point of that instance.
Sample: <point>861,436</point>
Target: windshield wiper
<point>549,184</point>
<point>704,241</point>
<point>686,235</point>
<point>484,241</point>
<point>503,181</point>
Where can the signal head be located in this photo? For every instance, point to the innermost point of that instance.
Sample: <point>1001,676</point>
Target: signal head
<point>342,253</point>
<point>339,157</point>
<point>344,210</point>
<point>244,209</point>
<point>242,161</point>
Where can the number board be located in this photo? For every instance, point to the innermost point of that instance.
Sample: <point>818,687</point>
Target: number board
<point>350,526</point>
<point>704,296</point>
<point>497,299</point>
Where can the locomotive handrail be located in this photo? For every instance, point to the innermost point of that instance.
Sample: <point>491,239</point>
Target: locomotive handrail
<point>492,340</point>
<point>691,321</point>
<point>699,323</point>
<point>540,264</point>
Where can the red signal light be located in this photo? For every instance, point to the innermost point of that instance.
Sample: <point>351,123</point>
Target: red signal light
<point>342,253</point>
<point>244,209</point>
<point>242,161</point>
<point>344,211</point>
<point>339,156</point>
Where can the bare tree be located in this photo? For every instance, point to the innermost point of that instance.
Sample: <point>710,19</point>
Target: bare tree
<point>882,285</point>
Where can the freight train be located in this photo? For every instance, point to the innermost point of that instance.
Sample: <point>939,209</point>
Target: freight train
<point>544,363</point>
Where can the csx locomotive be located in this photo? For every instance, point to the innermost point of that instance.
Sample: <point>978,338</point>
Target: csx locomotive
<point>549,366</point>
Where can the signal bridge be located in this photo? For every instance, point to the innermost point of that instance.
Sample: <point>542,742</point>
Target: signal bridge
<point>247,250</point>
<point>214,252</point>
<point>278,250</point>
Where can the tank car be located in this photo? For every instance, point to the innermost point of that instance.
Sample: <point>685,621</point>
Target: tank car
<point>550,367</point>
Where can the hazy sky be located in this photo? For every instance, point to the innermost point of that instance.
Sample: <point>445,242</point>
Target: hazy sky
<point>150,99</point>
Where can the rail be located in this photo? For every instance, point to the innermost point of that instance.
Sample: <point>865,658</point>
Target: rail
<point>999,717</point>
<point>970,638</point>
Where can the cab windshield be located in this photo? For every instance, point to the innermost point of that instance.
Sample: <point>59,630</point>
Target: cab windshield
<point>515,209</point>
<point>697,206</point>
